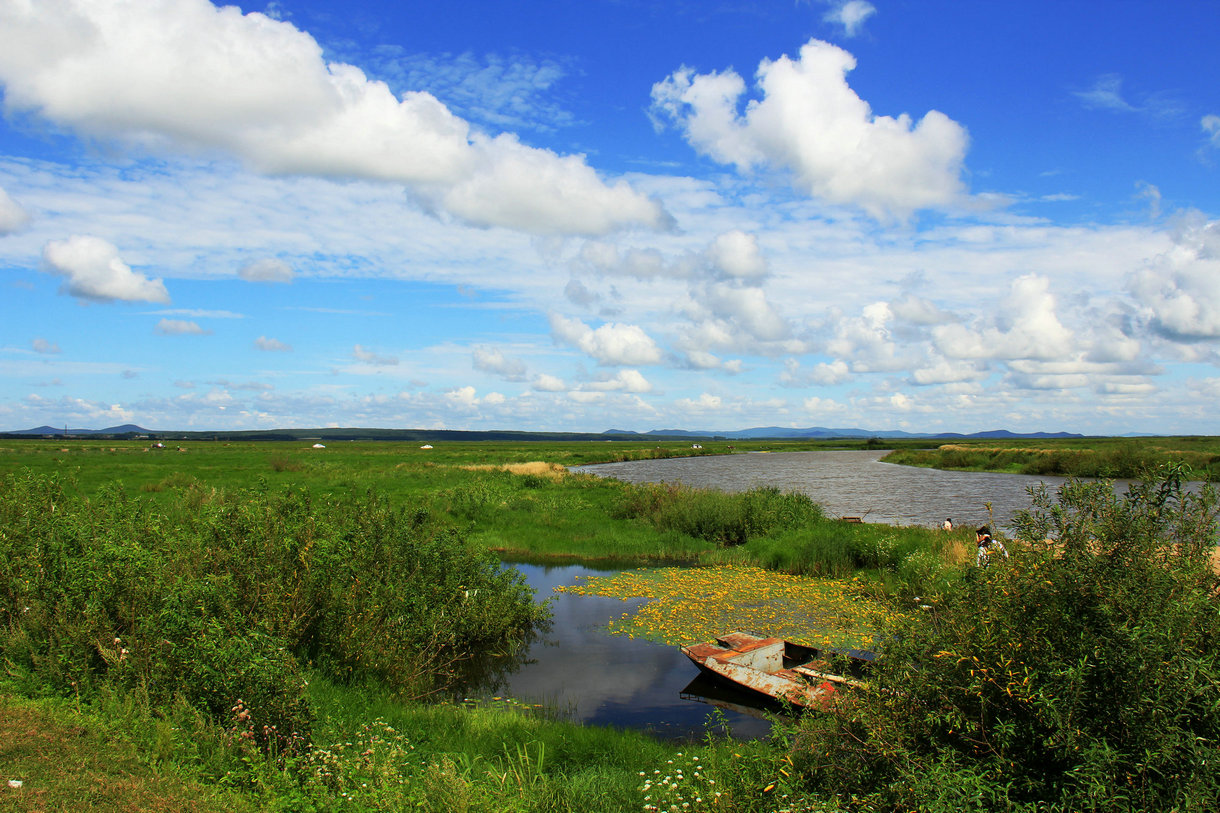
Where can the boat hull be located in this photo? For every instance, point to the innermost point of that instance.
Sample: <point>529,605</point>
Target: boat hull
<point>778,669</point>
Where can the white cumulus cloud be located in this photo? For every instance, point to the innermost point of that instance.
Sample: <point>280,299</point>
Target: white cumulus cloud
<point>810,122</point>
<point>622,381</point>
<point>548,383</point>
<point>185,75</point>
<point>94,271</point>
<point>736,255</point>
<point>704,404</point>
<point>748,309</point>
<point>1180,288</point>
<point>1028,327</point>
<point>610,344</point>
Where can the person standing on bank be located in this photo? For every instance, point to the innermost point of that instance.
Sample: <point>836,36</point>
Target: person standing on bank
<point>948,525</point>
<point>987,546</point>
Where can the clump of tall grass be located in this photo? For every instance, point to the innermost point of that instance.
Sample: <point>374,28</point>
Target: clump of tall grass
<point>906,561</point>
<point>718,517</point>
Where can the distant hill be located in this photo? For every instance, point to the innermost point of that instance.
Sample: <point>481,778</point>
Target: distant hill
<point>59,431</point>
<point>788,433</point>
<point>131,430</point>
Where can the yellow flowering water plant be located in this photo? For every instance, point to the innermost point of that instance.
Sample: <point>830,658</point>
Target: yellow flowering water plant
<point>690,605</point>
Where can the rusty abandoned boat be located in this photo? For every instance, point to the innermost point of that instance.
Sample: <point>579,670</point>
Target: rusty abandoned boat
<point>789,672</point>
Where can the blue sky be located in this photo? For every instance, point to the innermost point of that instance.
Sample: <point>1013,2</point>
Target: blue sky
<point>894,214</point>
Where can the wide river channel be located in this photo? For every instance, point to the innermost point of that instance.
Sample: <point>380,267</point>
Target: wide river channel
<point>585,674</point>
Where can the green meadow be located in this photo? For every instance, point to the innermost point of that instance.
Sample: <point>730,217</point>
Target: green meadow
<point>272,626</point>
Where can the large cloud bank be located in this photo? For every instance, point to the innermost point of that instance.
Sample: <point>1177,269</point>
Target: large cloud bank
<point>186,75</point>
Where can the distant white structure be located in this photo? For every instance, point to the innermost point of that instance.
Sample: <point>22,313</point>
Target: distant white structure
<point>696,446</point>
<point>318,446</point>
<point>426,446</point>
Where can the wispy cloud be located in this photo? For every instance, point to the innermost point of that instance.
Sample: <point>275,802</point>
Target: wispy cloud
<point>180,327</point>
<point>12,216</point>
<point>271,345</point>
<point>1211,127</point>
<point>504,92</point>
<point>197,313</point>
<point>267,270</point>
<point>360,353</point>
<point>850,14</point>
<point>1107,93</point>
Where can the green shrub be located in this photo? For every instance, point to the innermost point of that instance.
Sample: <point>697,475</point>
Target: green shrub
<point>223,601</point>
<point>1079,675</point>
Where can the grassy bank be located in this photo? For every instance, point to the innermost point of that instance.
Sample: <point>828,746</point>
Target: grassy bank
<point>370,753</point>
<point>1115,458</point>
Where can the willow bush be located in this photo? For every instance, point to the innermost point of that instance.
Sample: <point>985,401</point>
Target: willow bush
<point>1081,674</point>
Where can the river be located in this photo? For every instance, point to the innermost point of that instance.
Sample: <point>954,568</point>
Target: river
<point>579,670</point>
<point>848,483</point>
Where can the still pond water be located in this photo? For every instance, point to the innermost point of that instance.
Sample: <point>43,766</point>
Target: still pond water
<point>590,676</point>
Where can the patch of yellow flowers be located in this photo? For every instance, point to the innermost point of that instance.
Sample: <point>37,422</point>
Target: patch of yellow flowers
<point>690,605</point>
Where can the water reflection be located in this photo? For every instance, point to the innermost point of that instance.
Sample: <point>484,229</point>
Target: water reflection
<point>587,675</point>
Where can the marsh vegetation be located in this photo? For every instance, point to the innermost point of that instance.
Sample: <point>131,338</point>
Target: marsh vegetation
<point>273,625</point>
<point>1114,458</point>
